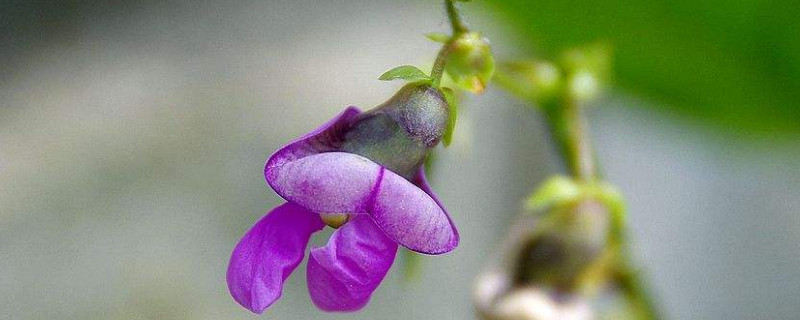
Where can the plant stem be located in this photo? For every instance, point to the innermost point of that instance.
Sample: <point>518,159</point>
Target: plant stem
<point>438,65</point>
<point>635,292</point>
<point>458,28</point>
<point>569,130</point>
<point>455,18</point>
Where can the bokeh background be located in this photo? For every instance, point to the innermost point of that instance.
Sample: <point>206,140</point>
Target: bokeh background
<point>133,134</point>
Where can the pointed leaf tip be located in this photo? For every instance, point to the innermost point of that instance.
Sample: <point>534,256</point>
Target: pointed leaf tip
<point>438,37</point>
<point>407,72</point>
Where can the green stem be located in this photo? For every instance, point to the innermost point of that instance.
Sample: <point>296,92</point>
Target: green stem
<point>455,19</point>
<point>438,65</point>
<point>635,292</point>
<point>457,24</point>
<point>569,129</point>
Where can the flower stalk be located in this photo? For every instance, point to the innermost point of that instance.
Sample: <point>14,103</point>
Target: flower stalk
<point>569,130</point>
<point>566,117</point>
<point>458,27</point>
<point>561,91</point>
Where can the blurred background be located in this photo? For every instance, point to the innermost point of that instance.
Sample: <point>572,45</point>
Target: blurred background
<point>133,135</point>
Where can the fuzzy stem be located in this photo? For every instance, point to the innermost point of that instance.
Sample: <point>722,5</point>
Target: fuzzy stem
<point>438,65</point>
<point>455,18</point>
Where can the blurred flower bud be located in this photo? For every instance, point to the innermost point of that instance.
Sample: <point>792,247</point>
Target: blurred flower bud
<point>587,68</point>
<point>558,259</point>
<point>584,86</point>
<point>535,80</point>
<point>470,62</point>
<point>572,238</point>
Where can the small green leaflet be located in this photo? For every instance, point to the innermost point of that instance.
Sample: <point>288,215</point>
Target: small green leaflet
<point>438,37</point>
<point>451,121</point>
<point>407,72</point>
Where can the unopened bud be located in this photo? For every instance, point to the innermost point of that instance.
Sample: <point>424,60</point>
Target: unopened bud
<point>536,80</point>
<point>470,62</point>
<point>584,86</point>
<point>573,237</point>
<point>587,69</point>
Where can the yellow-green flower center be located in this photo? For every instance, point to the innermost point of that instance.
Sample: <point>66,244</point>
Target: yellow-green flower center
<point>334,220</point>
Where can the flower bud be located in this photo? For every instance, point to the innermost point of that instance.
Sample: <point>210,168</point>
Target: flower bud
<point>538,81</point>
<point>587,68</point>
<point>470,62</point>
<point>572,239</point>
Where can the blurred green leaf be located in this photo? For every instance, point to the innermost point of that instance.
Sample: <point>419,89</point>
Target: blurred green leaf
<point>408,73</point>
<point>733,63</point>
<point>438,37</point>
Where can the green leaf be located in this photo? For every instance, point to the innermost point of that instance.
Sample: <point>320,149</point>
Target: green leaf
<point>407,72</point>
<point>718,61</point>
<point>438,37</point>
<point>449,96</point>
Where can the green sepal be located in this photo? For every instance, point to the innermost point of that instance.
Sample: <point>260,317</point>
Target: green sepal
<point>613,200</point>
<point>408,73</point>
<point>438,37</point>
<point>450,97</point>
<point>553,192</point>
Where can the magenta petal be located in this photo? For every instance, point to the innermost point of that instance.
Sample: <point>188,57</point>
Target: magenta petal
<point>343,274</point>
<point>412,217</point>
<point>420,181</point>
<point>339,182</point>
<point>331,182</point>
<point>328,137</point>
<point>268,253</point>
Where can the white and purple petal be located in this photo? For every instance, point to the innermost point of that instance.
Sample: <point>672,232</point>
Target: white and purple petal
<point>340,182</point>
<point>421,181</point>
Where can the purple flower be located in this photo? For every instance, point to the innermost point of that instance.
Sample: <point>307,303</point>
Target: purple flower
<point>360,169</point>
